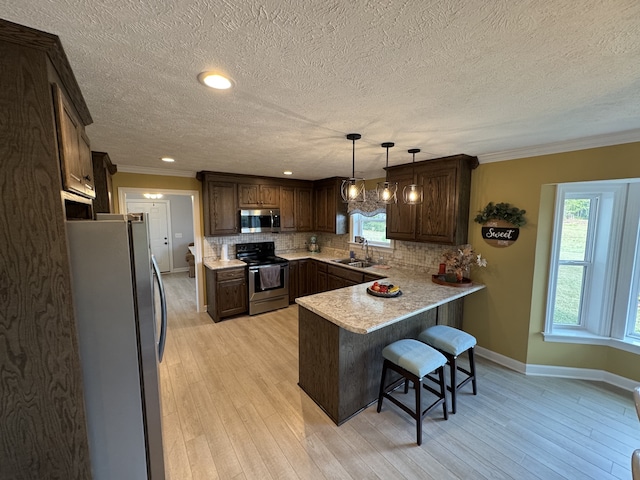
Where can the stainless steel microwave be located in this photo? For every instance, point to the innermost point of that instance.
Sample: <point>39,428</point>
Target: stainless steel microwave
<point>260,221</point>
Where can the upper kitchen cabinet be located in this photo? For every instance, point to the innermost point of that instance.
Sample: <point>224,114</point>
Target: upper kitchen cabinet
<point>259,196</point>
<point>103,170</point>
<point>73,146</point>
<point>443,216</point>
<point>296,214</point>
<point>330,211</point>
<point>220,206</point>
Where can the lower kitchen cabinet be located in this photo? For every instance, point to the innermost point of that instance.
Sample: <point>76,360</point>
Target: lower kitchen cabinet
<point>226,293</point>
<point>301,278</point>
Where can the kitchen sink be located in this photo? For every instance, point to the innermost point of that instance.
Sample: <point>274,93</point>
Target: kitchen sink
<point>354,262</point>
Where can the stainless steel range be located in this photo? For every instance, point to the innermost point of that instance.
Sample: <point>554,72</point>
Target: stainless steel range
<point>268,276</point>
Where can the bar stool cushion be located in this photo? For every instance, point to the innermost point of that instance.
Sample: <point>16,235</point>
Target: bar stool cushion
<point>414,356</point>
<point>447,339</point>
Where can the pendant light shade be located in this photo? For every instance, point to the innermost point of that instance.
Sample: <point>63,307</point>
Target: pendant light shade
<point>387,191</point>
<point>352,189</point>
<point>412,194</point>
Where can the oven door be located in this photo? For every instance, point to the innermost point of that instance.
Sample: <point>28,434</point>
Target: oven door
<point>267,281</point>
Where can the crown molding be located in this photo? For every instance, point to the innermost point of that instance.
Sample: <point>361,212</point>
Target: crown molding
<point>606,140</point>
<point>156,171</point>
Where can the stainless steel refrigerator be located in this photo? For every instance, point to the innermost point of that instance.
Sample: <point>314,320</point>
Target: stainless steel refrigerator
<point>121,316</point>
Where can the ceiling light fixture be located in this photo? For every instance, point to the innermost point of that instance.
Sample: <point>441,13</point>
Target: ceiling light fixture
<point>387,191</point>
<point>153,196</point>
<point>288,172</point>
<point>215,80</point>
<point>168,159</point>
<point>352,189</point>
<point>412,194</point>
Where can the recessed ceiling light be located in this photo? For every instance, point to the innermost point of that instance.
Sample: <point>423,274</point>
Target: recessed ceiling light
<point>168,159</point>
<point>215,80</point>
<point>288,172</point>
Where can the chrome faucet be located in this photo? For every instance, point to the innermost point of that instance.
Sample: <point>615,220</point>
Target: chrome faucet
<point>365,247</point>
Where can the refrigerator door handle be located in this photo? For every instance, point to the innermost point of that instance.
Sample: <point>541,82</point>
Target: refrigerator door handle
<point>163,307</point>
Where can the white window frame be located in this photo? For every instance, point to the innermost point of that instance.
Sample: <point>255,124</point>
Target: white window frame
<point>609,295</point>
<point>355,229</point>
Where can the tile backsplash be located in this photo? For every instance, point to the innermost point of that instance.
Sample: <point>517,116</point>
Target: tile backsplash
<point>423,256</point>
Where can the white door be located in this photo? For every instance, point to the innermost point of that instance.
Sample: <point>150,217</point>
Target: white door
<point>158,229</point>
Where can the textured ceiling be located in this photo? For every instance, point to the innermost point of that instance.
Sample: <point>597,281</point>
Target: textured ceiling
<point>448,76</point>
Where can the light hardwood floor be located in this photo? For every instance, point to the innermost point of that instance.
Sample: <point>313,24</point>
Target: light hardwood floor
<point>232,410</point>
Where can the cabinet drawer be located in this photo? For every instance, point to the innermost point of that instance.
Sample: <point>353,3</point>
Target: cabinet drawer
<point>230,274</point>
<point>347,274</point>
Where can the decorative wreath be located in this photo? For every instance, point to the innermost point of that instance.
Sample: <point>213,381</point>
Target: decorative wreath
<point>501,211</point>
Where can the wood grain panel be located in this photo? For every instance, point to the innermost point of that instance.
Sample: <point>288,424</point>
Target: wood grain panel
<point>42,418</point>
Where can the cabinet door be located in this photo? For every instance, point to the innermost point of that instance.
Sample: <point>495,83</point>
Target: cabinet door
<point>287,209</point>
<point>401,218</point>
<point>437,214</point>
<point>321,214</point>
<point>303,209</point>
<point>305,284</point>
<point>269,196</point>
<point>259,196</point>
<point>220,205</point>
<point>293,280</point>
<point>248,196</point>
<point>73,147</point>
<point>232,298</point>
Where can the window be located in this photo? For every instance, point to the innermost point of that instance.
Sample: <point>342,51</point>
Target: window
<point>374,229</point>
<point>594,277</point>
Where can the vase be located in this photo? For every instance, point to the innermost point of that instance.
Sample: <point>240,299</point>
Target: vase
<point>459,277</point>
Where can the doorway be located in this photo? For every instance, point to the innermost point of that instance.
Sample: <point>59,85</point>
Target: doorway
<point>194,199</point>
<point>159,228</point>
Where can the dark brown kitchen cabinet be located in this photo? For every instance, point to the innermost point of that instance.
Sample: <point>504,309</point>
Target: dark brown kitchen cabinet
<point>321,277</point>
<point>443,216</point>
<point>296,209</point>
<point>287,209</point>
<point>338,277</point>
<point>220,207</point>
<point>259,196</point>
<point>73,146</point>
<point>293,280</point>
<point>226,292</point>
<point>330,211</point>
<point>301,278</point>
<point>103,170</point>
<point>303,209</point>
<point>401,218</point>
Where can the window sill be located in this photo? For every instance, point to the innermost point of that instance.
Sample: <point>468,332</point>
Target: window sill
<point>358,246</point>
<point>586,338</point>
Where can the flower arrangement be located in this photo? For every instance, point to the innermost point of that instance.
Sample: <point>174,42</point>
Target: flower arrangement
<point>459,261</point>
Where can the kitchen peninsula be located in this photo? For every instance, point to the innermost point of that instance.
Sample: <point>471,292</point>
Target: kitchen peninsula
<point>342,334</point>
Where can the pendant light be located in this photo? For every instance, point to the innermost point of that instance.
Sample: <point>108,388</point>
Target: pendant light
<point>387,191</point>
<point>352,189</point>
<point>412,194</point>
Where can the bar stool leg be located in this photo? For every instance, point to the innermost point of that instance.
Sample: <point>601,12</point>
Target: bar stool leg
<point>453,366</point>
<point>381,395</point>
<point>418,387</point>
<point>443,392</point>
<point>472,369</point>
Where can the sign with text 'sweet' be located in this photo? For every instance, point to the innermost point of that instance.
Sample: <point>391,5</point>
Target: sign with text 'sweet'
<point>499,233</point>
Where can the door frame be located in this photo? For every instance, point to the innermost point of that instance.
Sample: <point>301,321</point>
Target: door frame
<point>167,204</point>
<point>197,230</point>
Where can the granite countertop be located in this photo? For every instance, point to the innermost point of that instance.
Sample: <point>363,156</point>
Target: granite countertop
<point>353,309</point>
<point>220,264</point>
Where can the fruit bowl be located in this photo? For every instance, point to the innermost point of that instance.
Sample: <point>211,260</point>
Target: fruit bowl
<point>385,295</point>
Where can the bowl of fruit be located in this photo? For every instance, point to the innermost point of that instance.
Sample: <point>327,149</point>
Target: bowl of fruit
<point>384,289</point>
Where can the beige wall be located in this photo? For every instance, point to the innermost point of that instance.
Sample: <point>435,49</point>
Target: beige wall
<point>136,180</point>
<point>508,316</point>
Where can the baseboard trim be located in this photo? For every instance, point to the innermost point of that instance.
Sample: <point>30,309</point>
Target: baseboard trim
<point>555,371</point>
